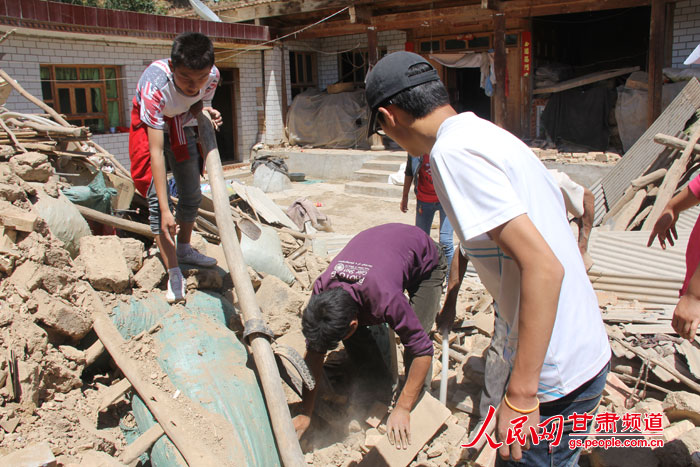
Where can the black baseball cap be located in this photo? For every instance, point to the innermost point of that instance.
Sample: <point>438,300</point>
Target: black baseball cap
<point>389,77</point>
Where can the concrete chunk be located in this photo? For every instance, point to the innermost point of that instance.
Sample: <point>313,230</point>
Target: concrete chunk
<point>151,274</point>
<point>32,166</point>
<point>682,405</point>
<point>280,304</point>
<point>37,455</point>
<point>133,253</point>
<point>62,317</point>
<point>105,265</point>
<point>680,451</point>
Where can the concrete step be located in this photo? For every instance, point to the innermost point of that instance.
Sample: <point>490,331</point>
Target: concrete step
<point>383,164</point>
<point>374,189</point>
<point>389,156</point>
<point>369,175</point>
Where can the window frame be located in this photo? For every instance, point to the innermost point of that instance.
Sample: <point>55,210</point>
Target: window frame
<point>298,79</point>
<point>365,65</point>
<point>73,115</point>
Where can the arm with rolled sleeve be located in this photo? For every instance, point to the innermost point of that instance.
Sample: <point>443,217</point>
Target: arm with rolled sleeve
<point>403,320</point>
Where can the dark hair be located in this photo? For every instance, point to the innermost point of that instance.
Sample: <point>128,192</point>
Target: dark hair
<point>422,99</point>
<point>326,319</point>
<point>192,50</point>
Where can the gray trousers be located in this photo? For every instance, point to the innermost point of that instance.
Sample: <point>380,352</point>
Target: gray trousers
<point>186,174</point>
<point>497,370</point>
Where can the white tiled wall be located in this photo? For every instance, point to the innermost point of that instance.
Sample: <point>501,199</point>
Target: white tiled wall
<point>686,31</point>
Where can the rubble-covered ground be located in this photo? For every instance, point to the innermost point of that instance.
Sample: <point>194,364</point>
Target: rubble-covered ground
<point>53,381</point>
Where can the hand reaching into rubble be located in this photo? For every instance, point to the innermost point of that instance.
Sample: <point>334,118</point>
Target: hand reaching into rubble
<point>301,424</point>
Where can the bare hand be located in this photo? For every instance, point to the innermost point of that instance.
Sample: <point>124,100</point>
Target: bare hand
<point>398,428</point>
<point>404,204</point>
<point>664,228</point>
<point>686,316</point>
<point>446,317</point>
<point>301,424</point>
<point>504,415</point>
<point>216,118</point>
<point>168,226</point>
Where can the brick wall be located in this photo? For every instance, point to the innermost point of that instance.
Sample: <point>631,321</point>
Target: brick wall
<point>686,31</point>
<point>24,54</point>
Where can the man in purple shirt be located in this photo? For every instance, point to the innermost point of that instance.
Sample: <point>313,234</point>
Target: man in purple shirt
<point>364,285</point>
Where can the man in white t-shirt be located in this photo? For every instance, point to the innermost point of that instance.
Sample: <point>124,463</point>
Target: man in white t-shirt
<point>510,217</point>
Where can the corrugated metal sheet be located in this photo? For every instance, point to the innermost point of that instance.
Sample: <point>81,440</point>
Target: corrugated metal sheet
<point>645,151</point>
<point>624,265</point>
<point>686,220</point>
<point>626,253</point>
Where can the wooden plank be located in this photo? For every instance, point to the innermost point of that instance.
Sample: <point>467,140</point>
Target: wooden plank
<point>630,210</point>
<point>650,178</point>
<point>113,393</point>
<point>673,176</point>
<point>141,444</point>
<point>264,206</point>
<point>586,79</point>
<point>649,329</point>
<point>426,418</point>
<point>675,143</point>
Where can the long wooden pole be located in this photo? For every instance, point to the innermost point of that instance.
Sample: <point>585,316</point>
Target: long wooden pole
<point>285,435</point>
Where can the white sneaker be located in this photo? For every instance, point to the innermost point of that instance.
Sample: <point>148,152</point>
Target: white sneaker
<point>192,256</point>
<point>178,295</point>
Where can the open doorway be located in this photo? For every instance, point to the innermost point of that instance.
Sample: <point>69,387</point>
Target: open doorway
<point>225,102</point>
<point>465,92</point>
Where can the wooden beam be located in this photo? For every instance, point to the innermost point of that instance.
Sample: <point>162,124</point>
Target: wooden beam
<point>275,8</point>
<point>360,15</point>
<point>499,63</point>
<point>491,5</point>
<point>586,79</point>
<point>656,59</point>
<point>443,17</point>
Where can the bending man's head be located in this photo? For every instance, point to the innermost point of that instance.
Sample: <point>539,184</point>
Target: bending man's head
<point>330,317</point>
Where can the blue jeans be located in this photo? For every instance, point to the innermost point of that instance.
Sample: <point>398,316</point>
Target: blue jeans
<point>424,220</point>
<point>583,399</point>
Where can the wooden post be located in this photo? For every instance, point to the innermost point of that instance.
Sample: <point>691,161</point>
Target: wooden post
<point>275,399</point>
<point>656,59</point>
<point>499,63</point>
